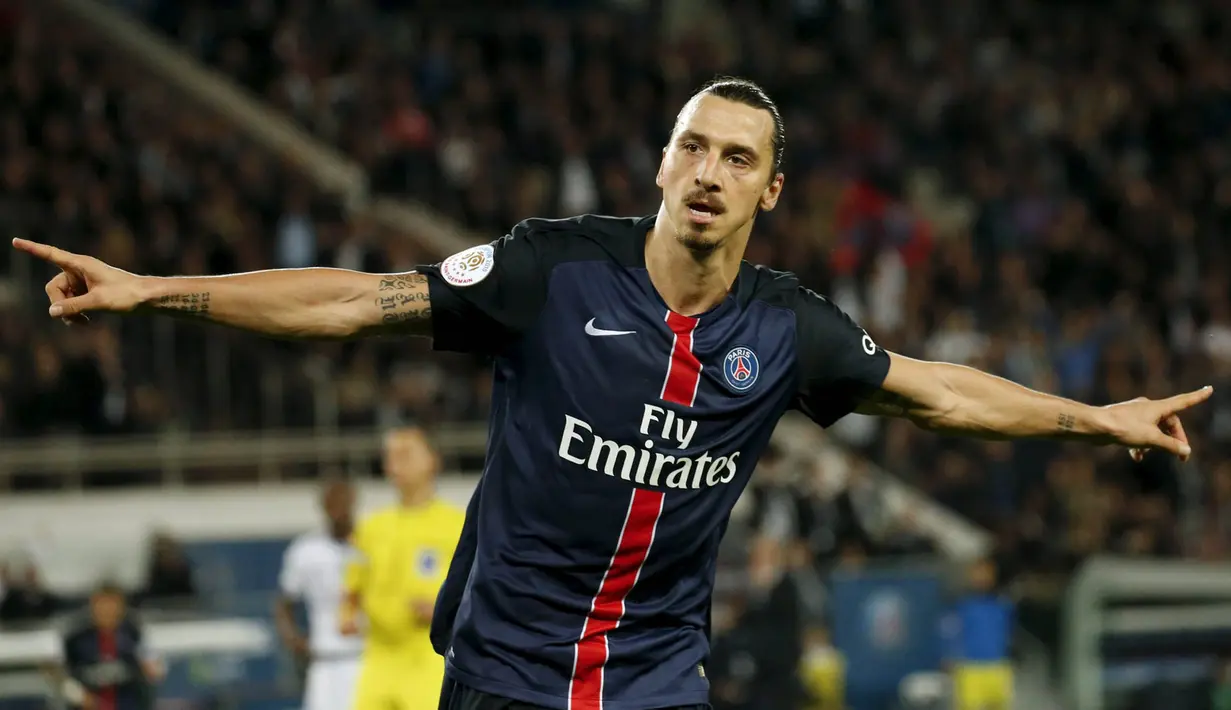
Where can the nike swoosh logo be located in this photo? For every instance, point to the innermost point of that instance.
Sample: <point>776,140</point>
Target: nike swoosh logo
<point>600,332</point>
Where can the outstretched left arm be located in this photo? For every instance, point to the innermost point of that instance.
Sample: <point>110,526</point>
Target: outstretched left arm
<point>961,400</point>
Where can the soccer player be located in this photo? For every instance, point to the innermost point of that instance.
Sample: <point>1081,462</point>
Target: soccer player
<point>106,664</point>
<point>313,569</point>
<point>404,552</point>
<point>640,366</point>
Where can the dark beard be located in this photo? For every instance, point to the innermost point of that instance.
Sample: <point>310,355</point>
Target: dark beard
<point>699,246</point>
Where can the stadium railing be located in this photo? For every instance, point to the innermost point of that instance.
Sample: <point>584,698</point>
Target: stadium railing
<point>269,454</point>
<point>327,168</point>
<point>953,535</point>
<point>169,455</point>
<point>1130,624</point>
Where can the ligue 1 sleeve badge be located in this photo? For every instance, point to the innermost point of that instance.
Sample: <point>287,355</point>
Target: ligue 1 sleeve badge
<point>741,368</point>
<point>468,267</point>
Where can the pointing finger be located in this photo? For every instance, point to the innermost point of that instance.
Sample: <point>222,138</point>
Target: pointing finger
<point>1180,402</point>
<point>46,252</point>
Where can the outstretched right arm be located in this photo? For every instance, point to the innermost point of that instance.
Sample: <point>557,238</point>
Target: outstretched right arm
<point>313,303</point>
<point>478,300</point>
<point>299,303</point>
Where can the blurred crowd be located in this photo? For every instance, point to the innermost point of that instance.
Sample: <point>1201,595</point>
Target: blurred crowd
<point>98,157</point>
<point>1039,189</point>
<point>168,585</point>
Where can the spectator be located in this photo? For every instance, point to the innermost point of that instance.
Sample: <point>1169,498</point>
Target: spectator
<point>980,632</point>
<point>105,657</point>
<point>169,580</point>
<point>25,599</point>
<point>823,671</point>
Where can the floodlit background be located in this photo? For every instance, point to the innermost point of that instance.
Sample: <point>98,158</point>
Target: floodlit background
<point>1039,188</point>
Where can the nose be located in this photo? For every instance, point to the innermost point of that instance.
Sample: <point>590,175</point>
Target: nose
<point>707,172</point>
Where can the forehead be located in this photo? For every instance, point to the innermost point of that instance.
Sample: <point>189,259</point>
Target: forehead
<point>404,440</point>
<point>722,121</point>
<point>339,493</point>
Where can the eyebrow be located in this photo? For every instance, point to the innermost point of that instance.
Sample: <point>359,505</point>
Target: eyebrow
<point>730,149</point>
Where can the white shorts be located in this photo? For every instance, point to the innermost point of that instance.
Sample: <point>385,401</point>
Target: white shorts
<point>331,684</point>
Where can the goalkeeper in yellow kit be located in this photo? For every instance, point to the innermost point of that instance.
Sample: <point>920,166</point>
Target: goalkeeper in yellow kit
<point>403,555</point>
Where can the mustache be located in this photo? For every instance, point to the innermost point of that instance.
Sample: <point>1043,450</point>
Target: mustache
<point>704,198</point>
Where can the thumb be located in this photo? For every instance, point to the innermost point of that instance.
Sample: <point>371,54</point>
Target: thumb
<point>1163,442</point>
<point>1180,402</point>
<point>46,252</point>
<point>76,306</point>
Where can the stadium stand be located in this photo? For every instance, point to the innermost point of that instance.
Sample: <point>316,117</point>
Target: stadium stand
<point>1028,188</point>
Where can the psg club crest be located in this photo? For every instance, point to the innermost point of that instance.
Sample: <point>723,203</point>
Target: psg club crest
<point>741,369</point>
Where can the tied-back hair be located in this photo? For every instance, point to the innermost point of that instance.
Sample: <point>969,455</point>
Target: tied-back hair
<point>749,93</point>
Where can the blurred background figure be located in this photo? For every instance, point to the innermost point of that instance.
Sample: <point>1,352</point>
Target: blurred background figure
<point>107,665</point>
<point>169,582</point>
<point>981,634</point>
<point>822,671</point>
<point>313,573</point>
<point>23,597</point>
<point>403,555</point>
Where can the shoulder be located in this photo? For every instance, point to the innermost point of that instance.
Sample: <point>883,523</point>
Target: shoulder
<point>133,626</point>
<point>307,548</point>
<point>301,544</point>
<point>581,238</point>
<point>448,513</point>
<point>76,628</point>
<point>375,521</point>
<point>782,289</point>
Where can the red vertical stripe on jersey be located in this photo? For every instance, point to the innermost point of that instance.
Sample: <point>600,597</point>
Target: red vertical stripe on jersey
<point>590,655</point>
<point>684,370</point>
<point>106,652</point>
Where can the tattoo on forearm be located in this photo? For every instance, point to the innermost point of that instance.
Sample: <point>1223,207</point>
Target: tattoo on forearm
<point>405,299</point>
<point>1066,422</point>
<point>885,404</point>
<point>402,282</point>
<point>192,304</point>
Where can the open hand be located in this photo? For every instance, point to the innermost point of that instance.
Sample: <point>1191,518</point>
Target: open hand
<point>1143,424</point>
<point>349,627</point>
<point>84,284</point>
<point>422,610</point>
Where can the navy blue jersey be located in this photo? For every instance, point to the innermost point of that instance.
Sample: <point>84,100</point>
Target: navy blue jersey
<point>621,436</point>
<point>108,665</point>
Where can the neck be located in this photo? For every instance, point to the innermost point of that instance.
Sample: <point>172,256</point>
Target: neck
<point>417,497</point>
<point>690,281</point>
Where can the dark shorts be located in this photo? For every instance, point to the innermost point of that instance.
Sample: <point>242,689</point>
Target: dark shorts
<point>455,696</point>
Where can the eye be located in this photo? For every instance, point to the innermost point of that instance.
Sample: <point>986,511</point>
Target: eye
<point>740,161</point>
<point>692,147</point>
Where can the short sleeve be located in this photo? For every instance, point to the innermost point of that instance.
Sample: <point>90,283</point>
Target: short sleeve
<point>486,296</point>
<point>357,563</point>
<point>839,363</point>
<point>291,577</point>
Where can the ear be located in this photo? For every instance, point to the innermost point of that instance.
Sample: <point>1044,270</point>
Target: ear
<point>662,165</point>
<point>769,197</point>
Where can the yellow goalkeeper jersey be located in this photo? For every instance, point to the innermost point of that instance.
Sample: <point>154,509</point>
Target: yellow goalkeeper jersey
<point>403,555</point>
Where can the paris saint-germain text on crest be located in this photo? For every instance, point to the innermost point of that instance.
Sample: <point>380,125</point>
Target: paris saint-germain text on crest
<point>741,368</point>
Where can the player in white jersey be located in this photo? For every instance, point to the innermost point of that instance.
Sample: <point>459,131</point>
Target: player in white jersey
<point>313,571</point>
